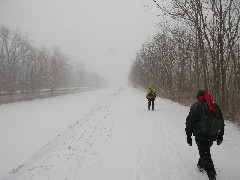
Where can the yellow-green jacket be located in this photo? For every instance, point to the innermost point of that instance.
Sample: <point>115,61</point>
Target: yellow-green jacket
<point>151,92</point>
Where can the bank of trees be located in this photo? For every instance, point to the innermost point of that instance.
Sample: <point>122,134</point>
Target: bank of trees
<point>25,68</point>
<point>202,51</point>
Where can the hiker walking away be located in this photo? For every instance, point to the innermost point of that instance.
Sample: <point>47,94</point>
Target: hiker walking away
<point>205,121</point>
<point>151,95</point>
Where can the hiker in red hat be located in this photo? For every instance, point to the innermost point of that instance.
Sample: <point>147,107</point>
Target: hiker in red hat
<point>205,122</point>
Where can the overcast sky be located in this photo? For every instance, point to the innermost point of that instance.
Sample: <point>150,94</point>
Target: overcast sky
<point>104,34</point>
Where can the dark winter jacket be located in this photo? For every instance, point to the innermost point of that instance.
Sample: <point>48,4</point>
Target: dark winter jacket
<point>194,119</point>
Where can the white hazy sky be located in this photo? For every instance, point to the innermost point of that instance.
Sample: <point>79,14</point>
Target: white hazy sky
<point>104,34</point>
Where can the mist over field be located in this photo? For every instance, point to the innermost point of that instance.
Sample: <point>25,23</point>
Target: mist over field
<point>103,34</point>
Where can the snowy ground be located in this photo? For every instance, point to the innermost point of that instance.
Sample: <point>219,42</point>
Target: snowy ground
<point>27,126</point>
<point>118,139</point>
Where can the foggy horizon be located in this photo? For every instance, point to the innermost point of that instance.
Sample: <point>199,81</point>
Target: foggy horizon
<point>105,35</point>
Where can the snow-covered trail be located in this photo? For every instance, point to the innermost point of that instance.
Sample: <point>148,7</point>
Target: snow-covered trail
<point>122,140</point>
<point>27,126</point>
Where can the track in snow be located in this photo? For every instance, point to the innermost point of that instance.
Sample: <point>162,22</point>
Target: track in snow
<point>122,140</point>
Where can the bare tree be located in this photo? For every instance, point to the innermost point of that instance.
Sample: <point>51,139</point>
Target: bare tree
<point>14,49</point>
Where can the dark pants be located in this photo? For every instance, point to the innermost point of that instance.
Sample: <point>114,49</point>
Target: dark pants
<point>205,161</point>
<point>151,101</point>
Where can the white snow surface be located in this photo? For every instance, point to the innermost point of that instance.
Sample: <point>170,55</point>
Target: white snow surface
<point>112,137</point>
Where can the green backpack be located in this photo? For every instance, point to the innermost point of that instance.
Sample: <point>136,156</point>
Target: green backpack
<point>210,123</point>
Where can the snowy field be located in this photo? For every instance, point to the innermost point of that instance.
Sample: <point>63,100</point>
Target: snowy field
<point>112,137</point>
<point>27,126</point>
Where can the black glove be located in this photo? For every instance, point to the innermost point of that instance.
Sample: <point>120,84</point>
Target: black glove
<point>219,140</point>
<point>189,140</point>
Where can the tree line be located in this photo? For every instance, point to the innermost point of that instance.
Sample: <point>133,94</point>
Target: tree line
<point>200,51</point>
<point>25,68</point>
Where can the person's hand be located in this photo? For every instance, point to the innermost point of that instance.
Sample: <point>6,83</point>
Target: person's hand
<point>219,140</point>
<point>189,140</point>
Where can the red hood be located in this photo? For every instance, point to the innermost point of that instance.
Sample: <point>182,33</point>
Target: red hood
<point>208,99</point>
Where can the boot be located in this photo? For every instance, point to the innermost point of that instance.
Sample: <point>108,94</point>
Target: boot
<point>212,175</point>
<point>212,178</point>
<point>201,168</point>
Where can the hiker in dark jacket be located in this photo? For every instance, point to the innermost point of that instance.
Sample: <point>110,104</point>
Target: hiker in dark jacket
<point>151,95</point>
<point>194,126</point>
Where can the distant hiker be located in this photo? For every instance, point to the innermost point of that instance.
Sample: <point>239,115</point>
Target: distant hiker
<point>151,95</point>
<point>205,121</point>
